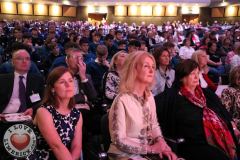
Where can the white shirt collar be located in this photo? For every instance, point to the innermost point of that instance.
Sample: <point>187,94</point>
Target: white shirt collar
<point>17,74</point>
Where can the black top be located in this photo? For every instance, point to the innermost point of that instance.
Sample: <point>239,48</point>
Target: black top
<point>189,123</point>
<point>179,118</point>
<point>97,71</point>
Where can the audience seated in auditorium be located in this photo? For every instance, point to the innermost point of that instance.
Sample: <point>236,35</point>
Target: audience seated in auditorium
<point>38,35</point>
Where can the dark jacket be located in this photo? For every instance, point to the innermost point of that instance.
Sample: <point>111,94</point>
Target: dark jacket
<point>179,118</point>
<point>34,84</point>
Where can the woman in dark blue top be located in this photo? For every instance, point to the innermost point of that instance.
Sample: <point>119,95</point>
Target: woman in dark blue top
<point>58,123</point>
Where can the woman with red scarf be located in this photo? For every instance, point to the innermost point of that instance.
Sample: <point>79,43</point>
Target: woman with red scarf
<point>197,115</point>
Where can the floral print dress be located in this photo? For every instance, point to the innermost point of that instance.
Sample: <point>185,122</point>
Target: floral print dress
<point>231,100</point>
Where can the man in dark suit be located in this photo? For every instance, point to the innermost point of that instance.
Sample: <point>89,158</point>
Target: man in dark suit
<point>20,91</point>
<point>85,95</point>
<point>84,89</point>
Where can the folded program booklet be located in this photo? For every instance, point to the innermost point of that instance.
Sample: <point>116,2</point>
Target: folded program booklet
<point>16,117</point>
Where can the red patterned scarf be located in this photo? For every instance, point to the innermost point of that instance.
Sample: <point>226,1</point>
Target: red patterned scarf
<point>216,130</point>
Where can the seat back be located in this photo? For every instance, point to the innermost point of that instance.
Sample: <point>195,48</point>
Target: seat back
<point>105,132</point>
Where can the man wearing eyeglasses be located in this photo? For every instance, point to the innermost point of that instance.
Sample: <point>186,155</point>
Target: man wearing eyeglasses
<point>20,91</point>
<point>85,93</point>
<point>84,89</point>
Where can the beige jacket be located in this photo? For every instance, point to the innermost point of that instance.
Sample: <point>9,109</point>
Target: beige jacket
<point>133,125</point>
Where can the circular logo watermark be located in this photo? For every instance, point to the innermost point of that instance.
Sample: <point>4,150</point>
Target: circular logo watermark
<point>19,140</point>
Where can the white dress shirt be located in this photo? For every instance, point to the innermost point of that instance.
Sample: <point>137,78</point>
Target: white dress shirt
<point>14,102</point>
<point>203,83</point>
<point>235,61</point>
<point>186,52</point>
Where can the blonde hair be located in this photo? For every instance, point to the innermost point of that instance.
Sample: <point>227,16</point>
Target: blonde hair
<point>129,72</point>
<point>112,66</point>
<point>195,57</point>
<point>196,53</point>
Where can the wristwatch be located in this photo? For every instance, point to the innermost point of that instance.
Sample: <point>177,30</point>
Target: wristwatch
<point>84,81</point>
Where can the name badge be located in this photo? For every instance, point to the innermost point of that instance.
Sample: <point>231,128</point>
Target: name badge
<point>35,97</point>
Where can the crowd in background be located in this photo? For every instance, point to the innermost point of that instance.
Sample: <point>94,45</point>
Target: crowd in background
<point>46,40</point>
<point>96,57</point>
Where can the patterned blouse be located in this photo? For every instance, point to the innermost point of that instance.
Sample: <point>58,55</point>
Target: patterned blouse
<point>65,126</point>
<point>133,125</point>
<point>112,85</point>
<point>231,100</point>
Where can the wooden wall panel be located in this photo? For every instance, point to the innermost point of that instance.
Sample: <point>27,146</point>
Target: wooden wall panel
<point>8,8</point>
<point>217,12</point>
<point>25,8</point>
<point>69,11</point>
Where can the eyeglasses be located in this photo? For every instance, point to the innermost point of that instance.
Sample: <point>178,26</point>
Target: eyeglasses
<point>22,59</point>
<point>77,57</point>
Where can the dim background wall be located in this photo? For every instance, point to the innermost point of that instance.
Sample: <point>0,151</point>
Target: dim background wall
<point>81,14</point>
<point>24,17</point>
<point>205,16</point>
<point>138,20</point>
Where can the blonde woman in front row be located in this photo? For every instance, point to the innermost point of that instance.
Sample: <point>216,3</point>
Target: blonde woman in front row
<point>133,125</point>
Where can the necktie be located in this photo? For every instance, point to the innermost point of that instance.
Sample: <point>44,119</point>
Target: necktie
<point>22,96</point>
